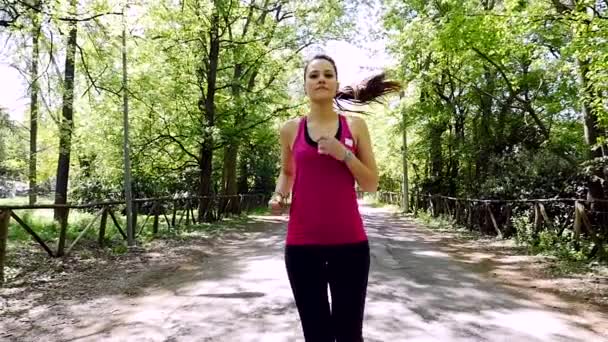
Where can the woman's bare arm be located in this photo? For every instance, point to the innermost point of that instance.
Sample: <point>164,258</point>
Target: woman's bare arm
<point>363,165</point>
<point>286,175</point>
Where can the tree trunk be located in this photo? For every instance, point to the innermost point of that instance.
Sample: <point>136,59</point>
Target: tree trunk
<point>435,150</point>
<point>405,180</point>
<point>242,183</point>
<point>5,216</point>
<point>67,124</point>
<point>125,146</point>
<point>204,190</point>
<point>484,140</point>
<point>459,143</point>
<point>208,108</point>
<point>229,186</point>
<point>231,150</point>
<point>590,116</point>
<point>229,176</point>
<point>34,110</point>
<point>590,122</point>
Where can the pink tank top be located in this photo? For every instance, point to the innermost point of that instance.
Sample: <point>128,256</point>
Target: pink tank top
<point>324,207</point>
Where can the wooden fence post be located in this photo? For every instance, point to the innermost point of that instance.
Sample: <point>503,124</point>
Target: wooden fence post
<point>117,225</point>
<point>187,212</point>
<point>544,215</point>
<point>470,215</point>
<point>598,248</point>
<point>156,213</point>
<point>494,223</point>
<point>577,224</point>
<point>102,227</point>
<point>134,218</point>
<point>508,227</point>
<point>538,220</point>
<point>99,213</point>
<point>240,206</point>
<point>63,230</point>
<point>174,214</point>
<point>447,207</point>
<point>5,216</point>
<point>194,221</point>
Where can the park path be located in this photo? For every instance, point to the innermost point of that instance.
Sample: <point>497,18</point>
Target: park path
<point>239,292</point>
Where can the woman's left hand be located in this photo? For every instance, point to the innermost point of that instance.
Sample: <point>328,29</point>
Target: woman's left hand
<point>331,146</point>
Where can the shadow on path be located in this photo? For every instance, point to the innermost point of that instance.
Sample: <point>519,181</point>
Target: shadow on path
<point>419,293</point>
<point>237,290</point>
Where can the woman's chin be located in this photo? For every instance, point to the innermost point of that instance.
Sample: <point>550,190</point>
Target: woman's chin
<point>321,98</point>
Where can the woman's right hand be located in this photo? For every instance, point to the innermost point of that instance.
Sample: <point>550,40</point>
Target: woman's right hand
<point>276,204</point>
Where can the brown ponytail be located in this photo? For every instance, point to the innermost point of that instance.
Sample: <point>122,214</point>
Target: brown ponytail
<point>370,90</point>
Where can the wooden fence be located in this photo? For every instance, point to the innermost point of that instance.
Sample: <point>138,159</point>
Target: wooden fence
<point>386,197</point>
<point>173,210</point>
<point>578,217</point>
<point>394,198</point>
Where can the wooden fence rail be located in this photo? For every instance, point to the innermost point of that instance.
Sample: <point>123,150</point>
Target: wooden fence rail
<point>174,210</point>
<point>578,217</point>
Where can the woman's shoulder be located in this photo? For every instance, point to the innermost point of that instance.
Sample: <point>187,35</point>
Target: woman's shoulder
<point>355,123</point>
<point>290,127</point>
<point>291,124</point>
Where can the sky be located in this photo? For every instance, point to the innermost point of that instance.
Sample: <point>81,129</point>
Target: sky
<point>353,64</point>
<point>13,94</point>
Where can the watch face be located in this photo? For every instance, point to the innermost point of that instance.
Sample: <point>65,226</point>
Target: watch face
<point>348,155</point>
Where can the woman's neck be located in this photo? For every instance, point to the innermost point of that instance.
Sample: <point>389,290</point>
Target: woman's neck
<point>322,112</point>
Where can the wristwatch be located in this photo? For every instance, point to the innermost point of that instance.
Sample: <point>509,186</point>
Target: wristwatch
<point>280,195</point>
<point>348,156</point>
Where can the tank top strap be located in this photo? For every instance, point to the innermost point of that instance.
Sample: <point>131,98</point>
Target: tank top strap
<point>345,129</point>
<point>347,135</point>
<point>300,133</point>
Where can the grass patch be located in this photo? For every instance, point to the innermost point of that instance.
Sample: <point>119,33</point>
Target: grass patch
<point>259,211</point>
<point>24,200</point>
<point>445,224</point>
<point>371,200</point>
<point>41,221</point>
<point>204,229</point>
<point>564,267</point>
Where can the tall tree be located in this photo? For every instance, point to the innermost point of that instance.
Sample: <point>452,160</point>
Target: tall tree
<point>66,125</point>
<point>260,30</point>
<point>492,91</point>
<point>582,14</point>
<point>125,129</point>
<point>207,77</point>
<point>34,89</point>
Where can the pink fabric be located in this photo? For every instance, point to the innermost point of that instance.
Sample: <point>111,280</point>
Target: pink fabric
<point>324,207</point>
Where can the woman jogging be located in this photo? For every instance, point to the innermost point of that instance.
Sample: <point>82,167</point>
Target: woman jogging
<point>322,155</point>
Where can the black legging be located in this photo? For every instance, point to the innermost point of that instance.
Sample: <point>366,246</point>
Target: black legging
<point>345,268</point>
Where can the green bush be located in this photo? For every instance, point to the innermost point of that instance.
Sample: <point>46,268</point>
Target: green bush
<point>547,241</point>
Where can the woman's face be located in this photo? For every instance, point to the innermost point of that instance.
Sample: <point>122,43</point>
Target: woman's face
<point>320,82</point>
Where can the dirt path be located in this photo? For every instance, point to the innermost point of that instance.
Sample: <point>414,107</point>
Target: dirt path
<point>237,290</point>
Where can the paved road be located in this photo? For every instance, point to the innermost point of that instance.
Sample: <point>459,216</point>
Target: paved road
<point>241,293</point>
